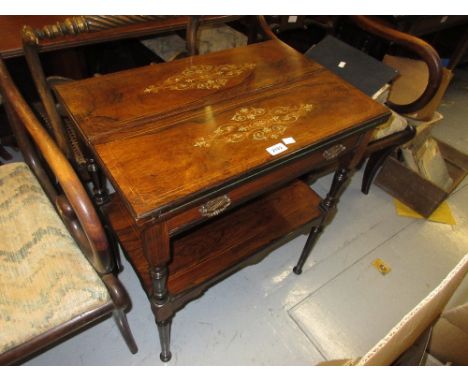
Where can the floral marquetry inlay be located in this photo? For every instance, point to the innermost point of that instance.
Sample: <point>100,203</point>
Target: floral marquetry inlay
<point>201,77</point>
<point>256,123</point>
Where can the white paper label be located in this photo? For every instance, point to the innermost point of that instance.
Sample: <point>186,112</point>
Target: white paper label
<point>276,149</point>
<point>292,19</point>
<point>342,64</point>
<point>289,140</point>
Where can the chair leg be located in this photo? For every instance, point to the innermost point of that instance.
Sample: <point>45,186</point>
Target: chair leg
<point>373,165</point>
<point>121,320</point>
<point>378,156</point>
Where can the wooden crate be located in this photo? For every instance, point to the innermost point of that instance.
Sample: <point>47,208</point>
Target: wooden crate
<point>416,192</point>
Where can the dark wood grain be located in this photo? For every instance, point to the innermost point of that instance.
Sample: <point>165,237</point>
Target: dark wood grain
<point>183,217</point>
<point>219,245</point>
<point>106,105</point>
<point>11,44</point>
<point>161,143</point>
<point>205,252</point>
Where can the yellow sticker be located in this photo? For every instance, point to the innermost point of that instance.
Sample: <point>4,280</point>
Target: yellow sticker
<point>381,266</point>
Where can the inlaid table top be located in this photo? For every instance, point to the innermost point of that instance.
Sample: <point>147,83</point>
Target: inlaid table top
<point>168,133</point>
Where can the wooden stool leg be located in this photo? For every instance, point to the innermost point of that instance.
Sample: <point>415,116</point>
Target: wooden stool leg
<point>121,320</point>
<point>326,206</point>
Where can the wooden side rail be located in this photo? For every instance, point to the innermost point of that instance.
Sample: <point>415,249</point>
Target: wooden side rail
<point>414,44</point>
<point>82,24</point>
<point>75,207</point>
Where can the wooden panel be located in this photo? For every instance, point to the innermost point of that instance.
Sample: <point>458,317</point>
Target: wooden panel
<point>172,164</point>
<point>165,148</point>
<point>224,241</point>
<point>122,101</point>
<point>11,44</point>
<point>179,220</point>
<point>10,27</point>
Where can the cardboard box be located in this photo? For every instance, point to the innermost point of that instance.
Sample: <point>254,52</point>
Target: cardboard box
<point>416,192</point>
<point>449,340</point>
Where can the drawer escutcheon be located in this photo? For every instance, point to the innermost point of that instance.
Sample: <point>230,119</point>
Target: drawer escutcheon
<point>333,151</point>
<point>215,207</point>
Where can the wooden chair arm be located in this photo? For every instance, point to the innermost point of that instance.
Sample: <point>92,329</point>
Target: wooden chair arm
<point>416,45</point>
<point>269,34</point>
<point>99,253</point>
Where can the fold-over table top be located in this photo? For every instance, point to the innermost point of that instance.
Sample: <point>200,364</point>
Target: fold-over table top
<point>168,133</point>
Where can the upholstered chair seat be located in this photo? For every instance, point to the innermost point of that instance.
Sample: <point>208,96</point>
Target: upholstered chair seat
<point>395,124</point>
<point>45,280</point>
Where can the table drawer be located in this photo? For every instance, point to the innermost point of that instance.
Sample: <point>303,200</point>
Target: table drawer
<point>217,204</point>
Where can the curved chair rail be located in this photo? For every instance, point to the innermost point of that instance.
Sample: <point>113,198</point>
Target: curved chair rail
<point>425,51</point>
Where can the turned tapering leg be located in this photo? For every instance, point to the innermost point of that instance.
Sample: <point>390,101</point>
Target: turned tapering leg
<point>158,301</point>
<point>164,329</point>
<point>311,239</point>
<point>326,206</point>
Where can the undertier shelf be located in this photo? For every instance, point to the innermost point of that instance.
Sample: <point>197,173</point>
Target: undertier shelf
<point>210,249</point>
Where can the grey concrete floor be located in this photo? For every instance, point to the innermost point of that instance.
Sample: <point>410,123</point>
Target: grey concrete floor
<point>339,307</point>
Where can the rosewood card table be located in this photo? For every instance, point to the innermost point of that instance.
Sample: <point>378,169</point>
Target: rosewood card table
<point>206,155</point>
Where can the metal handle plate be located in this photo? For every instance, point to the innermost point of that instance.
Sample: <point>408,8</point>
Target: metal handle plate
<point>333,151</point>
<point>215,206</point>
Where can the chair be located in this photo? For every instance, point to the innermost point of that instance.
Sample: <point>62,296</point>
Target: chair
<point>56,266</point>
<point>383,143</point>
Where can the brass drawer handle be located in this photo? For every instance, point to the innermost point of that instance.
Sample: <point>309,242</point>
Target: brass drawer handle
<point>333,151</point>
<point>215,207</point>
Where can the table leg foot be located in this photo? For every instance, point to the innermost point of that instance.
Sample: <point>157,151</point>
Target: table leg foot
<point>165,357</point>
<point>297,270</point>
